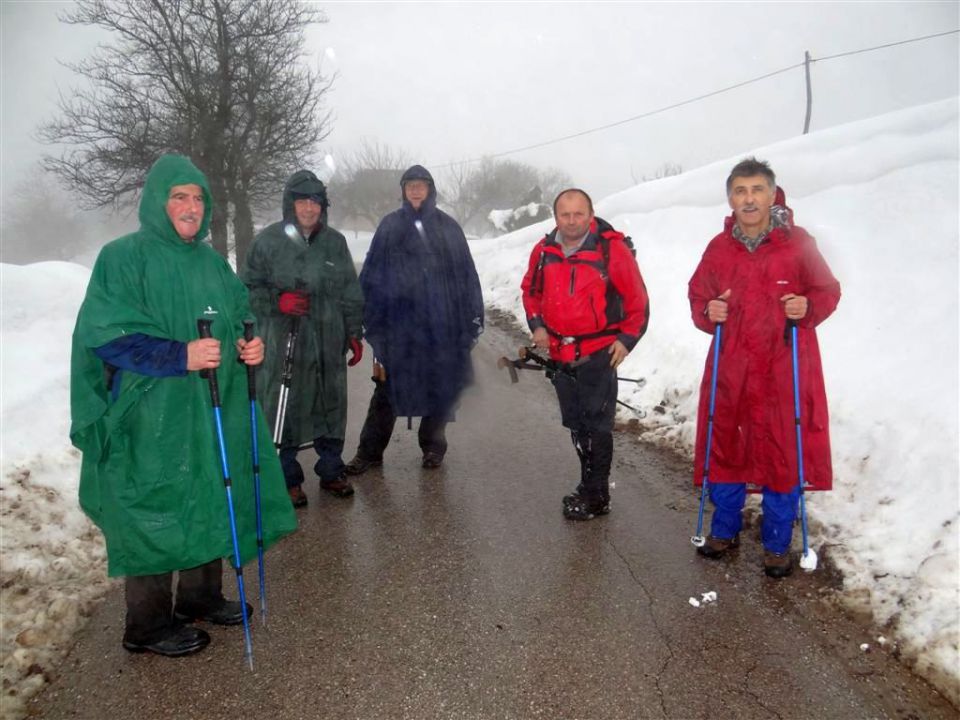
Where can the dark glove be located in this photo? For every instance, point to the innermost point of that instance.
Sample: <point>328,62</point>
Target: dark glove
<point>294,303</point>
<point>356,347</point>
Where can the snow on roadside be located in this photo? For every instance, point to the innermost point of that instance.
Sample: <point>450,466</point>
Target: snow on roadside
<point>54,562</point>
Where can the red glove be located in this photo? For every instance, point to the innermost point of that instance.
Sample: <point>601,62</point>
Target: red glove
<point>294,303</point>
<point>356,347</point>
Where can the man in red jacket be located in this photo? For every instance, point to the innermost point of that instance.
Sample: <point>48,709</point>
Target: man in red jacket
<point>756,278</point>
<point>586,303</point>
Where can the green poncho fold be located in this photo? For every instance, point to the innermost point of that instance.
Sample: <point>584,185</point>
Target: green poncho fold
<point>151,476</point>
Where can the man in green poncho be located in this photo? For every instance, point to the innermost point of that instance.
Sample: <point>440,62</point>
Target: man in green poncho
<point>299,270</point>
<point>151,477</point>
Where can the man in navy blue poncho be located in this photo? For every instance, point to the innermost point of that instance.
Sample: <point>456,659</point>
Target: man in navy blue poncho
<point>423,312</point>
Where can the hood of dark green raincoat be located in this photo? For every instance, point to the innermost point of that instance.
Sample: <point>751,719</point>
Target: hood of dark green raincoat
<point>303,182</point>
<point>167,172</point>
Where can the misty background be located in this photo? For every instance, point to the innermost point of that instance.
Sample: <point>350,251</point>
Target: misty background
<point>453,85</point>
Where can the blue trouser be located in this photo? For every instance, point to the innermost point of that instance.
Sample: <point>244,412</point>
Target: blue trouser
<point>329,465</point>
<point>779,514</point>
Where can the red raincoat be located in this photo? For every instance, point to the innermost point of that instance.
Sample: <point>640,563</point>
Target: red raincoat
<point>754,435</point>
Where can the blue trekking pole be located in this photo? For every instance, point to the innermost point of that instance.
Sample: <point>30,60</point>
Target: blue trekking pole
<point>252,393</point>
<point>203,327</point>
<point>809,559</point>
<point>699,540</point>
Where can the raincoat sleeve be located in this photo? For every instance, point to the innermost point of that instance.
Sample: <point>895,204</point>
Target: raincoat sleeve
<point>257,278</point>
<point>473,300</point>
<point>822,289</point>
<point>351,303</point>
<point>625,277</point>
<point>701,290</point>
<point>373,282</point>
<point>532,301</point>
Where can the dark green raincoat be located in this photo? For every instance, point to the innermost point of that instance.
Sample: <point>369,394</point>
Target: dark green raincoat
<point>151,475</point>
<point>323,268</point>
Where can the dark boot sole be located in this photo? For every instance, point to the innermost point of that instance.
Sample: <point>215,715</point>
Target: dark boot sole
<point>355,470</point>
<point>179,652</point>
<point>339,492</point>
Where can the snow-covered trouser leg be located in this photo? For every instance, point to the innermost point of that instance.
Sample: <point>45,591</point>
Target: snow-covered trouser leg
<point>779,515</point>
<point>727,500</point>
<point>578,446</point>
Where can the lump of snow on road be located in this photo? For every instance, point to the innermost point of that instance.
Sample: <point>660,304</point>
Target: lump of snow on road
<point>881,197</point>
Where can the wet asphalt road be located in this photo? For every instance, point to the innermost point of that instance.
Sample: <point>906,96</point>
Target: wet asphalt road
<point>463,593</point>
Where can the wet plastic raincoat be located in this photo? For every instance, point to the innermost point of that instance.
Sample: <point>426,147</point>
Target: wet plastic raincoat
<point>323,268</point>
<point>424,307</point>
<point>151,476</point>
<point>754,436</point>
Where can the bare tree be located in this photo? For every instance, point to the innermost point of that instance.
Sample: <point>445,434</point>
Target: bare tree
<point>367,183</point>
<point>221,81</point>
<point>472,191</point>
<point>666,170</point>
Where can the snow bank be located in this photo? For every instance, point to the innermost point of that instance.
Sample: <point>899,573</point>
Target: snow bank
<point>881,197</point>
<point>54,562</point>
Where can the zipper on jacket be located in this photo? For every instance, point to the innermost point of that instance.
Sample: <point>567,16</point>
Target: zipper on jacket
<point>573,277</point>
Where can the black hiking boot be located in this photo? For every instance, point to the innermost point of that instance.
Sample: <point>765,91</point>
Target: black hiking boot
<point>715,548</point>
<point>178,641</point>
<point>777,565</point>
<point>228,612</point>
<point>432,460</point>
<point>338,487</point>
<point>297,496</point>
<point>359,465</point>
<point>582,509</point>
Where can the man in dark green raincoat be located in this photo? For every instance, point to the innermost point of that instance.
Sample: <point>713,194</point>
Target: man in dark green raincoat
<point>151,476</point>
<point>299,270</point>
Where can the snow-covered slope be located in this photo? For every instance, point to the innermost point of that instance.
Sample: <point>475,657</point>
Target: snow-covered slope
<point>881,197</point>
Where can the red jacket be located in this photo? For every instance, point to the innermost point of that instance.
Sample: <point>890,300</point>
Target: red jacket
<point>588,300</point>
<point>754,433</point>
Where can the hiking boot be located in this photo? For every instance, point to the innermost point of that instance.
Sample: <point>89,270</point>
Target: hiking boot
<point>715,548</point>
<point>581,509</point>
<point>432,460</point>
<point>228,612</point>
<point>777,565</point>
<point>297,496</point>
<point>359,465</point>
<point>179,640</point>
<point>338,487</point>
<point>572,497</point>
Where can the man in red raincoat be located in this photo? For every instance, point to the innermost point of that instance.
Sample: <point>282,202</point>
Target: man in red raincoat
<point>758,276</point>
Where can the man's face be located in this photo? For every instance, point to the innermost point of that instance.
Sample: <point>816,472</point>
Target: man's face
<point>751,199</point>
<point>308,214</point>
<point>185,210</point>
<point>573,216</point>
<point>416,191</point>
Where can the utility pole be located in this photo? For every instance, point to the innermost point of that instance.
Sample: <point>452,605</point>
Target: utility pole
<point>806,67</point>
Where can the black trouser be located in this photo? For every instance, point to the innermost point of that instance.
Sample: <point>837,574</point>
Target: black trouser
<point>150,598</point>
<point>378,428</point>
<point>588,404</point>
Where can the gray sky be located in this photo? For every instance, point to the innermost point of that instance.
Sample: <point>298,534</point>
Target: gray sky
<point>453,81</point>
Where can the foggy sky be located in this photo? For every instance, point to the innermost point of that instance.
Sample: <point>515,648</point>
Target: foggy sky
<point>454,81</point>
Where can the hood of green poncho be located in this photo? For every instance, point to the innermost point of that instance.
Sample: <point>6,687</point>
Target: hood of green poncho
<point>167,172</point>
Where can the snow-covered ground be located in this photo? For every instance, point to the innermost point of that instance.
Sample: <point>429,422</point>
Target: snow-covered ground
<point>881,196</point>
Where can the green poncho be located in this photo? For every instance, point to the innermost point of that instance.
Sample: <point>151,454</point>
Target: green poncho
<point>151,476</point>
<point>317,404</point>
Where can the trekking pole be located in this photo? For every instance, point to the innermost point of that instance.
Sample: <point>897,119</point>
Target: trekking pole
<point>699,540</point>
<point>255,449</point>
<point>203,327</point>
<point>808,561</point>
<point>286,377</point>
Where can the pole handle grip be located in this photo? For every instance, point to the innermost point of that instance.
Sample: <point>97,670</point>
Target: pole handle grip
<point>203,329</point>
<point>251,371</point>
